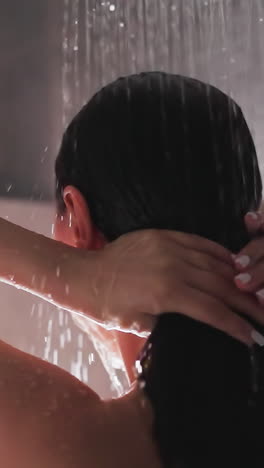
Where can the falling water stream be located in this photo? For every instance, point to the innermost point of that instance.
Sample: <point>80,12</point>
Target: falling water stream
<point>219,41</point>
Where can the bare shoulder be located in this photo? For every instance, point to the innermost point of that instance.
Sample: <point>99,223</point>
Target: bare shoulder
<point>49,419</point>
<point>46,413</point>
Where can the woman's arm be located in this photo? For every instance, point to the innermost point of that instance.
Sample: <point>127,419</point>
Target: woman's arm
<point>48,268</point>
<point>132,280</point>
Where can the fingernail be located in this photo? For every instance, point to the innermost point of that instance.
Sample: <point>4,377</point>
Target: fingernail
<point>243,260</point>
<point>243,278</point>
<point>252,215</point>
<point>260,294</point>
<point>257,337</point>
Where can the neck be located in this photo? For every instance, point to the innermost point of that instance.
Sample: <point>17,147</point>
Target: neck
<point>130,418</point>
<point>135,408</point>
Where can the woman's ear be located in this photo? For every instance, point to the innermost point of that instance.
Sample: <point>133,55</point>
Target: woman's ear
<point>81,229</point>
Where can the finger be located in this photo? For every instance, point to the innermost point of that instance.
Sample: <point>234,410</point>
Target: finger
<point>208,263</point>
<point>201,260</point>
<point>207,309</point>
<point>253,221</point>
<point>252,279</point>
<point>261,221</point>
<point>192,241</point>
<point>226,291</point>
<point>260,295</point>
<point>252,253</point>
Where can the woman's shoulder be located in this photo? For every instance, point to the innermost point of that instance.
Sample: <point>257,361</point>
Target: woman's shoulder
<point>46,413</point>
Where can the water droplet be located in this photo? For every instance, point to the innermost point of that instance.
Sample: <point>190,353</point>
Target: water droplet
<point>33,384</point>
<point>53,406</point>
<point>90,358</point>
<point>62,340</point>
<point>85,374</point>
<point>32,310</point>
<point>55,357</point>
<point>83,392</point>
<point>69,335</point>
<point>40,311</point>
<point>142,384</point>
<point>138,367</point>
<point>61,317</point>
<point>112,7</point>
<point>80,340</point>
<point>49,326</point>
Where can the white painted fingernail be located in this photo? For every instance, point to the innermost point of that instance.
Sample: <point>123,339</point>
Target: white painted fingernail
<point>243,260</point>
<point>252,215</point>
<point>257,337</point>
<point>243,278</point>
<point>260,294</point>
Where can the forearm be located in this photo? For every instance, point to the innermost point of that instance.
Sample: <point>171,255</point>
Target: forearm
<point>48,268</point>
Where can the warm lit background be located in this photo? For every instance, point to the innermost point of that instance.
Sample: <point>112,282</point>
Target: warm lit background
<point>53,56</point>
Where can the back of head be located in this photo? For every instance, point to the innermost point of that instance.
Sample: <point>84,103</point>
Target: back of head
<point>163,151</point>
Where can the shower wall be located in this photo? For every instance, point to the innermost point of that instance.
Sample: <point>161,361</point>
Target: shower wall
<point>54,55</point>
<point>219,41</point>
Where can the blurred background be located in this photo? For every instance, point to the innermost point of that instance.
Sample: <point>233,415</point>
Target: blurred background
<point>53,56</point>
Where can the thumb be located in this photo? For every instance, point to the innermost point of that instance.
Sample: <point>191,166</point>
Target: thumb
<point>253,221</point>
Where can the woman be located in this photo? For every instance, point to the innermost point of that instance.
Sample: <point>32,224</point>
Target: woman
<point>132,159</point>
<point>163,151</point>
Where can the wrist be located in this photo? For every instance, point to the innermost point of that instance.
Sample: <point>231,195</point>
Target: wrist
<point>81,271</point>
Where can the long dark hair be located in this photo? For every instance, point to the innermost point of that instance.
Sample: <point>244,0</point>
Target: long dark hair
<point>158,150</point>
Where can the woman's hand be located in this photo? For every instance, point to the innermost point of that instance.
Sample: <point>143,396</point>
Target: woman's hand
<point>249,263</point>
<point>145,273</point>
<point>133,279</point>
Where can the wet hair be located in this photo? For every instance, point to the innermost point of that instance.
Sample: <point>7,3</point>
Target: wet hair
<point>158,150</point>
